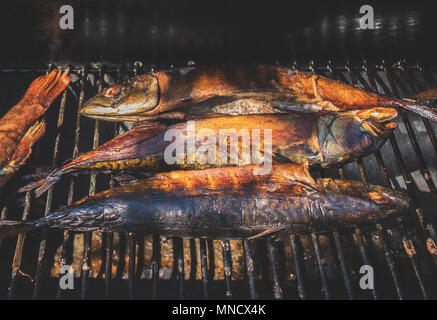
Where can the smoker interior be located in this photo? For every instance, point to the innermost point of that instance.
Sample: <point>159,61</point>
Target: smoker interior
<point>116,41</point>
<point>311,266</point>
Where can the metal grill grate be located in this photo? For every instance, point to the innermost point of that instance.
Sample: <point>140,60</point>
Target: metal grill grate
<point>318,265</point>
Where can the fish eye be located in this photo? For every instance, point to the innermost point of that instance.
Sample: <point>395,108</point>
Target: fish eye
<point>112,92</point>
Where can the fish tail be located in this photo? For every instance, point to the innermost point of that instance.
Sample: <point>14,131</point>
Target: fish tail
<point>42,185</point>
<point>45,89</point>
<point>11,228</point>
<point>25,147</point>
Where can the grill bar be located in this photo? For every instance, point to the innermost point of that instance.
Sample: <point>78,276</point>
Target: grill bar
<point>131,275</point>
<point>250,269</point>
<point>273,257</point>
<point>179,247</point>
<point>156,263</point>
<point>68,236</point>
<point>323,277</point>
<point>299,269</point>
<point>344,267</point>
<point>204,267</point>
<point>227,266</point>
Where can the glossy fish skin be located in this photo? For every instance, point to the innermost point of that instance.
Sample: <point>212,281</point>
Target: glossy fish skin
<point>210,207</point>
<point>19,128</point>
<point>233,89</point>
<point>320,139</point>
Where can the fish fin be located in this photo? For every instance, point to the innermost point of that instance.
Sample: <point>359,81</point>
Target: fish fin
<point>45,89</point>
<point>11,228</point>
<point>24,149</point>
<point>42,185</point>
<point>298,174</point>
<point>137,134</point>
<point>125,179</point>
<point>268,231</point>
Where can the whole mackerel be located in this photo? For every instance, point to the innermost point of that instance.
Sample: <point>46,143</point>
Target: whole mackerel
<point>227,203</point>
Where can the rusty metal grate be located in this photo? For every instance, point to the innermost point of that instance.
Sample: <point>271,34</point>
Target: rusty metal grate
<point>317,265</point>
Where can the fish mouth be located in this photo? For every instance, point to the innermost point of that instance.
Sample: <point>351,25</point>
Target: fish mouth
<point>99,106</point>
<point>377,121</point>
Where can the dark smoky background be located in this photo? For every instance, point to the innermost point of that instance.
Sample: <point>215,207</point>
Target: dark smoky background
<point>213,31</point>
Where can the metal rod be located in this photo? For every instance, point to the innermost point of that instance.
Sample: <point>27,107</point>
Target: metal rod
<point>204,268</point>
<point>298,268</point>
<point>358,235</point>
<point>180,272</point>
<point>86,265</point>
<point>250,269</point>
<point>277,290</point>
<point>343,265</point>
<point>16,263</point>
<point>132,262</point>
<point>108,264</point>
<point>322,271</point>
<point>156,264</point>
<point>227,267</point>
<point>193,259</point>
<point>67,235</point>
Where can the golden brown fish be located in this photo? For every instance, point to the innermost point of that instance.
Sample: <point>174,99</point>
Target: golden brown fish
<point>320,139</point>
<point>233,89</point>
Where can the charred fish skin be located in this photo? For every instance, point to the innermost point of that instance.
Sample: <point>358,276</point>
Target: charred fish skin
<point>320,139</point>
<point>289,200</point>
<point>246,88</point>
<point>19,128</point>
<point>223,216</point>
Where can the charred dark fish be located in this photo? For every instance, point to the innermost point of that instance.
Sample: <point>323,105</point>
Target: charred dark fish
<point>320,139</point>
<point>233,89</point>
<point>20,128</point>
<point>225,203</point>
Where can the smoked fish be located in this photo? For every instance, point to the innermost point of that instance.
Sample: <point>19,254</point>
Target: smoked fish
<point>234,90</point>
<point>319,139</point>
<point>20,128</point>
<point>226,203</point>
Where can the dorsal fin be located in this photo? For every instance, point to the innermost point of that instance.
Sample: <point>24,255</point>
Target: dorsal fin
<point>137,134</point>
<point>295,174</point>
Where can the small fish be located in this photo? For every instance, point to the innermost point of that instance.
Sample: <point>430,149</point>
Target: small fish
<point>227,203</point>
<point>233,90</point>
<point>320,139</point>
<point>20,128</point>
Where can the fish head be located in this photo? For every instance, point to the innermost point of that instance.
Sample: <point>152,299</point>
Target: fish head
<point>353,202</point>
<point>348,135</point>
<point>134,96</point>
